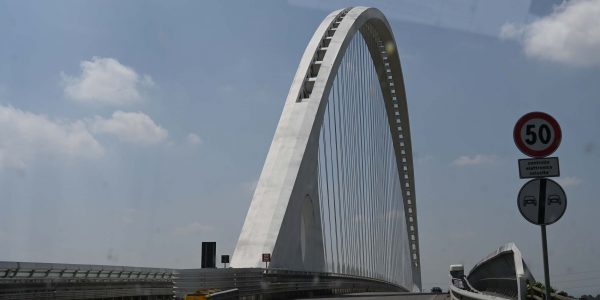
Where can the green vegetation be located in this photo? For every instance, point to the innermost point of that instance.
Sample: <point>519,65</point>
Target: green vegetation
<point>536,291</point>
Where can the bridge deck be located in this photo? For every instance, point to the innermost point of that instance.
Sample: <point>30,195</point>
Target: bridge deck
<point>392,296</point>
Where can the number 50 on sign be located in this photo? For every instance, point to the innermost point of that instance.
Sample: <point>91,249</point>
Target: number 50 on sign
<point>537,134</point>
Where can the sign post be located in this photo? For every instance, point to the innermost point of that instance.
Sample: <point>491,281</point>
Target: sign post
<point>541,201</point>
<point>546,265</point>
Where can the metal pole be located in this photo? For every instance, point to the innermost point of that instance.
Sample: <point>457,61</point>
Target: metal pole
<point>546,268</point>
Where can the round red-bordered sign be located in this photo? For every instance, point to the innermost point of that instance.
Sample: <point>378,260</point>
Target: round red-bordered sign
<point>537,134</point>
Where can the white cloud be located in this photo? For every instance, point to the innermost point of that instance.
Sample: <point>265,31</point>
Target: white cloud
<point>130,127</point>
<point>569,181</point>
<point>570,35</point>
<point>479,159</point>
<point>192,228</point>
<point>105,81</point>
<point>194,139</point>
<point>25,135</point>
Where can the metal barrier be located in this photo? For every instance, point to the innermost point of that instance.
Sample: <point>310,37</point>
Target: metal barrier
<point>461,294</point>
<point>261,283</point>
<point>23,280</point>
<point>29,270</point>
<point>461,289</point>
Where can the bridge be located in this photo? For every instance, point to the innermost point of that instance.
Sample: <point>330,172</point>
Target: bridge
<point>336,193</point>
<point>335,204</point>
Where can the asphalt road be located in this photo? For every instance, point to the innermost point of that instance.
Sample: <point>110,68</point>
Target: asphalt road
<point>391,296</point>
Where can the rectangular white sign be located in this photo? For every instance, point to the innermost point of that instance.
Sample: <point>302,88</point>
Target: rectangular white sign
<point>539,167</point>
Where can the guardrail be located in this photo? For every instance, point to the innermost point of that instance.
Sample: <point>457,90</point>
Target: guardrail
<point>462,294</point>
<point>253,282</point>
<point>23,280</point>
<point>461,289</point>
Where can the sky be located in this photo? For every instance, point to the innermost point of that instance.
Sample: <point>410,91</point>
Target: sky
<point>133,131</point>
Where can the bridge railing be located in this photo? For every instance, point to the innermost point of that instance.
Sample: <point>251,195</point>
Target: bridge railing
<point>457,293</point>
<point>252,282</point>
<point>461,289</point>
<point>70,272</point>
<point>24,280</point>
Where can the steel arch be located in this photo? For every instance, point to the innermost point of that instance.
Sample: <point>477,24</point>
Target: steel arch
<point>286,190</point>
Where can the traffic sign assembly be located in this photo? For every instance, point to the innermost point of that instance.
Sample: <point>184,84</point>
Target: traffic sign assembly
<point>541,201</point>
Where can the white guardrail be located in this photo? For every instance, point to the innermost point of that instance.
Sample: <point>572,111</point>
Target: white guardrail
<point>461,294</point>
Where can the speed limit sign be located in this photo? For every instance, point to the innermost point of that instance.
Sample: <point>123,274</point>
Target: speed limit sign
<point>537,134</point>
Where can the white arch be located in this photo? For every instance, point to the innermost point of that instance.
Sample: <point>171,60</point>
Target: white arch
<point>283,218</point>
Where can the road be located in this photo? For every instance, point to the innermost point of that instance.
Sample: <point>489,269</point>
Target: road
<point>392,296</point>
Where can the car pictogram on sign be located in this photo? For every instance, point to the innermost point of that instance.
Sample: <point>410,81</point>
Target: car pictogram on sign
<point>554,199</point>
<point>529,200</point>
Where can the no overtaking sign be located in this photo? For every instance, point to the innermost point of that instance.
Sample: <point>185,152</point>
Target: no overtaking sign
<point>542,201</point>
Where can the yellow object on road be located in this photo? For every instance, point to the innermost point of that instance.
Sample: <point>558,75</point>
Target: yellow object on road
<point>201,294</point>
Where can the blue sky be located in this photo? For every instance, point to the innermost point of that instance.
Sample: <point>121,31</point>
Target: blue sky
<point>133,131</point>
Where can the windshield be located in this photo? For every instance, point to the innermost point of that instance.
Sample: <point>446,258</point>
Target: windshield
<point>133,131</point>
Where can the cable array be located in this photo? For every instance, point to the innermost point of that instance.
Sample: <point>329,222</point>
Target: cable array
<point>361,200</point>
